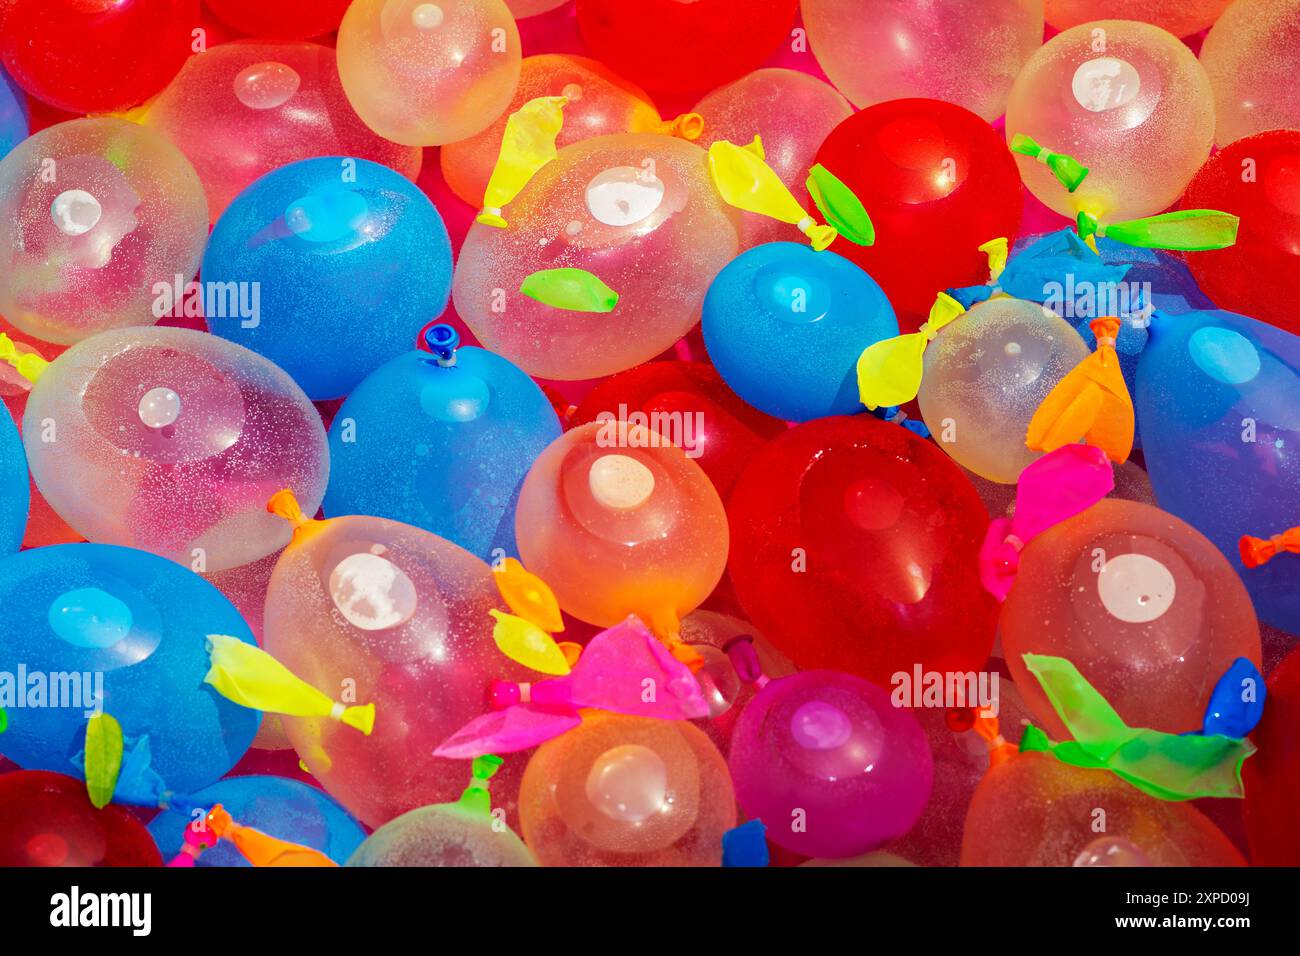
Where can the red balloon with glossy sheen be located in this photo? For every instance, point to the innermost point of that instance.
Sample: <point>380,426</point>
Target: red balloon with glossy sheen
<point>95,56</point>
<point>1257,179</point>
<point>676,46</point>
<point>281,19</point>
<point>854,546</point>
<point>1272,776</point>
<point>689,405</point>
<point>937,182</point>
<point>46,819</point>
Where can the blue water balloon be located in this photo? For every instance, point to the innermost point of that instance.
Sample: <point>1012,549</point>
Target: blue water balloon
<point>328,267</point>
<point>1219,398</point>
<point>441,440</point>
<point>14,123</point>
<point>285,809</point>
<point>91,625</point>
<point>15,487</point>
<point>784,325</point>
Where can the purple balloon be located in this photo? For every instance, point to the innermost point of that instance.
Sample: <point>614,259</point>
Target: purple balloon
<point>829,764</point>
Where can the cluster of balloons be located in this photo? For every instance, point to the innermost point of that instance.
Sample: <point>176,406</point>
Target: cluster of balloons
<point>702,458</point>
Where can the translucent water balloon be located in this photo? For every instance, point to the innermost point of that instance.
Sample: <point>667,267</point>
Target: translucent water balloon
<point>441,441</point>
<point>829,764</point>
<point>1218,394</point>
<point>47,820</point>
<point>282,808</point>
<point>1140,602</point>
<point>785,325</point>
<point>618,498</point>
<point>1180,17</point>
<point>328,267</point>
<point>1127,100</point>
<point>627,791</point>
<point>1272,775</point>
<point>284,20</point>
<point>689,405</point>
<point>668,45</point>
<point>1248,55</point>
<point>598,102</point>
<point>1258,180</point>
<point>967,52</point>
<point>131,629</point>
<point>1034,810</point>
<point>94,57</point>
<point>869,534</point>
<point>638,212</point>
<point>97,216</point>
<point>985,376</point>
<point>423,74</point>
<point>171,441</point>
<point>243,109</point>
<point>937,182</point>
<point>791,112</point>
<point>373,611</point>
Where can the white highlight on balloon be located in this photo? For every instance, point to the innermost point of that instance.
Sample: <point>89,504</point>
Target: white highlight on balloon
<point>620,482</point>
<point>75,212</point>
<point>1135,588</point>
<point>628,783</point>
<point>371,592</point>
<point>159,407</point>
<point>1105,83</point>
<point>624,195</point>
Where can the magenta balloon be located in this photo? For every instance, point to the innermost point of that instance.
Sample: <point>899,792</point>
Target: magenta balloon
<point>829,764</point>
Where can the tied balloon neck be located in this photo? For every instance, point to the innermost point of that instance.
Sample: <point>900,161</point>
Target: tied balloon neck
<point>1256,552</point>
<point>477,796</point>
<point>442,340</point>
<point>26,363</point>
<point>744,658</point>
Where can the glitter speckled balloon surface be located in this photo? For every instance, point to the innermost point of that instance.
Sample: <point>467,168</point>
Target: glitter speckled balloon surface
<point>621,499</point>
<point>244,109</point>
<point>1252,56</point>
<point>627,791</point>
<point>985,376</point>
<point>1126,99</point>
<point>391,615</point>
<point>422,73</point>
<point>966,52</point>
<point>638,211</point>
<point>1180,17</point>
<point>172,441</point>
<point>94,213</point>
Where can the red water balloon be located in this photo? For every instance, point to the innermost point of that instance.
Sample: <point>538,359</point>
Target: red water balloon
<point>1257,179</point>
<point>937,182</point>
<point>689,405</point>
<point>671,45</point>
<point>46,819</point>
<point>95,56</point>
<point>854,548</point>
<point>282,19</point>
<point>1272,776</point>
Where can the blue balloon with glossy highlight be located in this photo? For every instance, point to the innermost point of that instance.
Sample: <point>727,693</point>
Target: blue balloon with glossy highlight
<point>441,447</point>
<point>348,260</point>
<point>1219,399</point>
<point>282,808</point>
<point>86,619</point>
<point>15,487</point>
<point>785,325</point>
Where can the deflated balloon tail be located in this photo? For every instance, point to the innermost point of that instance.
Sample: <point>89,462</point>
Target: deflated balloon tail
<point>477,796</point>
<point>527,145</point>
<point>28,364</point>
<point>249,676</point>
<point>103,758</point>
<point>1256,552</point>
